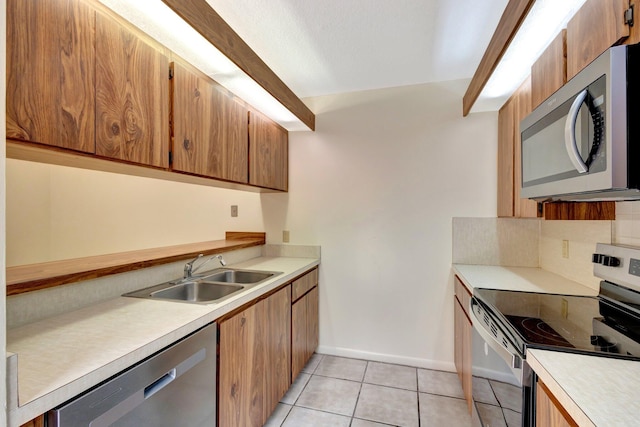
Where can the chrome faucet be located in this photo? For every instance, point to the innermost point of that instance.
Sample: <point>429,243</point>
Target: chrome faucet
<point>188,267</point>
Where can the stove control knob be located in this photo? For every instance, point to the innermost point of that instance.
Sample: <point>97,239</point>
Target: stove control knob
<point>609,261</point>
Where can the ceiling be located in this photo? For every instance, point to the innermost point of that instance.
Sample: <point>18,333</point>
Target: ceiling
<point>336,46</point>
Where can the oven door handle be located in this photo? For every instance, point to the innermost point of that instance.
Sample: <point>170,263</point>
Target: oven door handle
<point>510,357</point>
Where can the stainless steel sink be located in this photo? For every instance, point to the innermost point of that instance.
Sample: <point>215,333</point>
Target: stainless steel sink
<point>196,291</point>
<point>238,276</point>
<point>212,286</point>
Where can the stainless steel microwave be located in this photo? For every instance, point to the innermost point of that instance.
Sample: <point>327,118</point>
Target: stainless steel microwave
<point>583,142</point>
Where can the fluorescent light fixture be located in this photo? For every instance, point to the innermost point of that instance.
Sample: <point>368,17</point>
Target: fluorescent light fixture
<point>157,20</point>
<point>543,23</point>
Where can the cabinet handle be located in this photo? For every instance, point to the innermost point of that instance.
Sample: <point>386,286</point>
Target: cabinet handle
<point>570,142</point>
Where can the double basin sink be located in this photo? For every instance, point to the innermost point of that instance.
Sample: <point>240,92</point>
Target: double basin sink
<point>206,288</point>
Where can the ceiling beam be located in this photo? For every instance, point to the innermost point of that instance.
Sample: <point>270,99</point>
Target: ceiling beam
<point>207,22</point>
<point>513,16</point>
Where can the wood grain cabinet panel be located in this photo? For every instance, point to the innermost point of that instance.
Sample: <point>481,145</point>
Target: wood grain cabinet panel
<point>210,129</point>
<point>302,285</point>
<point>304,326</point>
<point>50,73</point>
<point>506,135</point>
<point>132,97</point>
<point>549,412</point>
<point>277,348</point>
<point>298,338</point>
<point>509,155</point>
<point>36,422</point>
<point>462,341</point>
<point>313,332</point>
<point>598,25</point>
<point>268,153</point>
<point>523,208</point>
<point>549,72</point>
<point>254,361</point>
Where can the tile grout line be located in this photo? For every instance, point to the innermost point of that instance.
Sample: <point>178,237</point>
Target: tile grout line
<point>353,414</point>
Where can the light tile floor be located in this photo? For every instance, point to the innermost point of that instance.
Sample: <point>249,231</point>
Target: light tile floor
<point>336,391</point>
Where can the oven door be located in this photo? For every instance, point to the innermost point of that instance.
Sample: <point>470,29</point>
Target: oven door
<point>502,391</point>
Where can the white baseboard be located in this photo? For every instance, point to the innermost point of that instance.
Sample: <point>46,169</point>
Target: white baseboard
<point>387,358</point>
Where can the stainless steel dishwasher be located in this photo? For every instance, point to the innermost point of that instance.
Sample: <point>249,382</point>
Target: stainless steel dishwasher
<point>174,387</point>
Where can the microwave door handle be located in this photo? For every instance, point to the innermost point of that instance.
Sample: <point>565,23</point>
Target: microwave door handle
<point>570,142</point>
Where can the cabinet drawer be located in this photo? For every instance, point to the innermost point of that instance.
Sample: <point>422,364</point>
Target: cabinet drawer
<point>302,285</point>
<point>462,294</point>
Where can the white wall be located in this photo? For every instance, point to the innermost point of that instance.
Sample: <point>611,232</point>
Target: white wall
<point>3,332</point>
<point>56,212</point>
<point>377,186</point>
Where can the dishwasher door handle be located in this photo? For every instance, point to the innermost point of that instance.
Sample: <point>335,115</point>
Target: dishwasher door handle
<point>159,384</point>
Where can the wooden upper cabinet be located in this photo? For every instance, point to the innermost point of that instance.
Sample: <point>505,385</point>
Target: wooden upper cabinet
<point>210,129</point>
<point>268,153</point>
<point>598,25</point>
<point>509,155</point>
<point>132,97</point>
<point>523,208</point>
<point>50,73</point>
<point>549,72</point>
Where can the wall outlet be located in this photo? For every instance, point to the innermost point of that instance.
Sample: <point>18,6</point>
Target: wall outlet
<point>234,210</point>
<point>285,236</point>
<point>565,249</point>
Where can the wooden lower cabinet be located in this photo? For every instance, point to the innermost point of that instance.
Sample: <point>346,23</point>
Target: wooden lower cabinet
<point>549,412</point>
<point>304,330</point>
<point>254,354</point>
<point>462,341</point>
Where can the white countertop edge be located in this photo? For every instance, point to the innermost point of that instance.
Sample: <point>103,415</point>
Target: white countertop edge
<point>40,404</point>
<point>558,392</point>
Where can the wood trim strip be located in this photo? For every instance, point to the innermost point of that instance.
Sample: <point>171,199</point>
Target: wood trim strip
<point>207,22</point>
<point>33,277</point>
<point>513,16</point>
<point>580,211</point>
<point>241,235</point>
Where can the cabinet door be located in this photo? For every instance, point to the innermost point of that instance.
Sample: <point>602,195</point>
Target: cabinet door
<point>549,412</point>
<point>523,208</point>
<point>298,337</point>
<point>132,97</point>
<point>549,72</point>
<point>462,350</point>
<point>277,348</point>
<point>312,301</point>
<point>241,364</point>
<point>597,26</point>
<point>506,135</point>
<point>210,129</point>
<point>51,73</point>
<point>268,153</point>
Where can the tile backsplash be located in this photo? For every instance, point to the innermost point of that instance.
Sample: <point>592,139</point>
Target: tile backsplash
<point>508,242</point>
<point>626,227</point>
<point>581,237</point>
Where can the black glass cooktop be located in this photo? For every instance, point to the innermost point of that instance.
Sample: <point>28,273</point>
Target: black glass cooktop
<point>571,323</point>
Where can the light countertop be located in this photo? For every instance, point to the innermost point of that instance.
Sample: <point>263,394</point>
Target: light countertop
<point>60,357</point>
<point>595,391</point>
<point>528,279</point>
